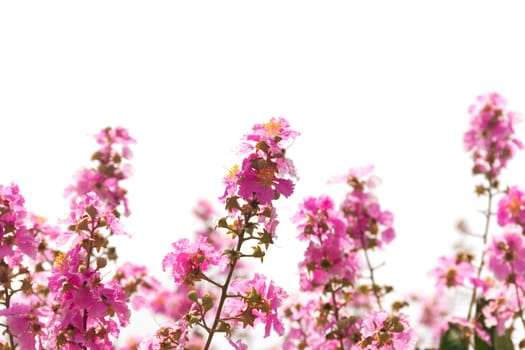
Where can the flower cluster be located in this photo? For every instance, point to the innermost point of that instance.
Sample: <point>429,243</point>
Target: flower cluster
<point>496,283</point>
<point>105,179</point>
<point>330,256</point>
<point>60,286</point>
<point>491,135</point>
<point>366,223</point>
<point>340,312</point>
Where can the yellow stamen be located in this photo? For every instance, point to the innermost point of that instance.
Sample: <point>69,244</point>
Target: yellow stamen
<point>234,170</point>
<point>514,206</point>
<point>266,176</point>
<point>59,259</point>
<point>273,128</point>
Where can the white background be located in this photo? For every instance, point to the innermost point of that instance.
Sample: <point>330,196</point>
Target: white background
<point>380,82</point>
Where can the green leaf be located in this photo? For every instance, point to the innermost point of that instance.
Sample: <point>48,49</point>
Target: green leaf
<point>453,339</point>
<point>207,302</point>
<point>479,344</point>
<point>503,342</point>
<point>193,296</point>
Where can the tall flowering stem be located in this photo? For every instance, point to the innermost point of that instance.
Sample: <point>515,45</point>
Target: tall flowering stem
<point>492,143</point>
<point>367,225</point>
<point>112,167</point>
<point>340,316</point>
<point>249,195</point>
<point>264,175</point>
<point>19,242</point>
<point>330,265</point>
<point>487,215</point>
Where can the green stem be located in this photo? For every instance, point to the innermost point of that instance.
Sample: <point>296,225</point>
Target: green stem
<point>7,305</point>
<point>224,292</point>
<point>336,315</point>
<point>372,277</point>
<point>482,262</point>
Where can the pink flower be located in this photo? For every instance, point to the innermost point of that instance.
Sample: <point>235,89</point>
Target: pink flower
<point>511,208</point>
<point>317,218</point>
<point>367,224</point>
<point>275,133</point>
<point>506,253</point>
<point>256,301</point>
<point>453,271</point>
<point>16,239</point>
<point>189,261</point>
<point>88,306</point>
<point>332,260</point>
<point>263,173</point>
<point>88,214</point>
<point>331,255</point>
<point>262,182</point>
<point>204,210</point>
<point>502,305</point>
<point>238,345</point>
<point>172,335</point>
<point>382,330</point>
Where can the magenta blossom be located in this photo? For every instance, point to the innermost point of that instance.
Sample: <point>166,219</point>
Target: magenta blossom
<point>105,179</point>
<point>367,223</point>
<point>16,240</point>
<point>89,214</point>
<point>511,208</point>
<point>256,301</point>
<point>262,182</point>
<point>263,174</point>
<point>506,254</point>
<point>189,261</point>
<point>87,304</point>
<point>333,260</point>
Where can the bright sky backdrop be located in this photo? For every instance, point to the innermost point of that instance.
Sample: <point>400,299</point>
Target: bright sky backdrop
<point>378,82</point>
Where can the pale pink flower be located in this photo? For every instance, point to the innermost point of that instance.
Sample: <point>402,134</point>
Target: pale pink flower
<point>511,208</point>
<point>276,133</point>
<point>382,330</point>
<point>506,253</point>
<point>189,261</point>
<point>452,272</point>
<point>502,305</point>
<point>171,335</point>
<point>256,301</point>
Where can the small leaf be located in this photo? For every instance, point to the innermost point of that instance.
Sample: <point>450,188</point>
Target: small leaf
<point>503,342</point>
<point>192,295</point>
<point>453,339</point>
<point>207,302</point>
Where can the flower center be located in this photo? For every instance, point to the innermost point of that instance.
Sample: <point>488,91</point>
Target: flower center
<point>265,176</point>
<point>514,206</point>
<point>234,170</point>
<point>272,128</point>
